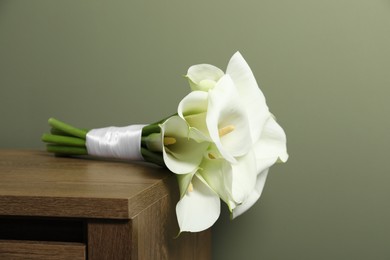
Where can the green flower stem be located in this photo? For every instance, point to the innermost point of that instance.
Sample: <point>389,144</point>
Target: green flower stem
<point>152,157</point>
<point>150,129</point>
<point>63,140</point>
<point>66,150</point>
<point>67,128</point>
<point>55,131</point>
<point>155,127</point>
<point>144,140</point>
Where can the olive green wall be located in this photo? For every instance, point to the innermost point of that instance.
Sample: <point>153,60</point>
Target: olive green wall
<point>324,67</point>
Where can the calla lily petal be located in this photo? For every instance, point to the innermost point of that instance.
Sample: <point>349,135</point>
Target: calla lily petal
<point>203,76</point>
<point>226,110</point>
<point>199,208</point>
<point>194,103</point>
<point>254,100</point>
<point>244,175</point>
<point>193,109</point>
<point>271,145</point>
<point>217,174</point>
<point>253,197</point>
<point>184,181</point>
<point>185,155</point>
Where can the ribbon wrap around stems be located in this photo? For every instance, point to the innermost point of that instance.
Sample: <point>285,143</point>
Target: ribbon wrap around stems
<point>116,142</point>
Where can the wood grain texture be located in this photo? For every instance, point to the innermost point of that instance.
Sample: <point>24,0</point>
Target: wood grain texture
<point>18,250</point>
<point>81,188</point>
<point>108,239</point>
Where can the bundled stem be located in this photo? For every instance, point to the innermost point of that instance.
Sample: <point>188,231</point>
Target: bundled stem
<point>66,150</point>
<point>65,139</point>
<point>57,124</point>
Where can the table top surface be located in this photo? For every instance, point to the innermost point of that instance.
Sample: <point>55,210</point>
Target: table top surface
<point>36,183</point>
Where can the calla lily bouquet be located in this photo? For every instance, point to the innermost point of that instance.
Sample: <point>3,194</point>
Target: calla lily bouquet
<point>220,143</point>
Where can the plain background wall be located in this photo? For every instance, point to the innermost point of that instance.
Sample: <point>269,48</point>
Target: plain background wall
<point>324,67</point>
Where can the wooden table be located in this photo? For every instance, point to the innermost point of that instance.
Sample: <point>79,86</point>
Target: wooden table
<point>67,208</point>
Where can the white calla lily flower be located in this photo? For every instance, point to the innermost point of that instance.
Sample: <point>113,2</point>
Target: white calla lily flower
<point>217,173</point>
<point>227,121</point>
<point>218,116</point>
<point>181,154</point>
<point>199,208</point>
<point>193,109</point>
<point>233,182</point>
<point>203,76</point>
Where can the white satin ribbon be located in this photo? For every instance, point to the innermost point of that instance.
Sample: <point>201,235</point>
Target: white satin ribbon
<point>116,142</point>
